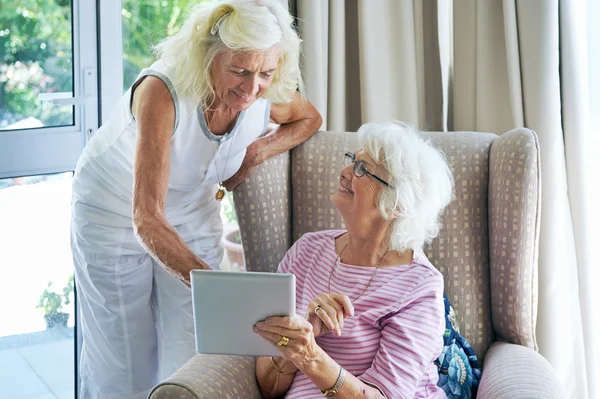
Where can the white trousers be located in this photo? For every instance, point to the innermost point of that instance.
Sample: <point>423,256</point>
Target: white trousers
<point>136,320</point>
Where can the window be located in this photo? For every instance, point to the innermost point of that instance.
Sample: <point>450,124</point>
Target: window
<point>36,288</point>
<point>48,107</point>
<point>37,64</point>
<point>145,23</point>
<point>48,84</point>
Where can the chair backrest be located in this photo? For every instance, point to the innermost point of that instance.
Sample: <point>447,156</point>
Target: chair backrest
<point>289,195</point>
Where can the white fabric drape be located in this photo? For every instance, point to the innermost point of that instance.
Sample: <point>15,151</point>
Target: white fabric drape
<point>482,66</point>
<point>350,80</point>
<point>528,72</point>
<point>577,132</point>
<point>329,69</point>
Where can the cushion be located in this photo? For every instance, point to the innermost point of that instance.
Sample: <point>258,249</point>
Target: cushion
<point>459,371</point>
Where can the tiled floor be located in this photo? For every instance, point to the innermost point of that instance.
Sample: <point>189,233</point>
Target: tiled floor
<point>37,366</point>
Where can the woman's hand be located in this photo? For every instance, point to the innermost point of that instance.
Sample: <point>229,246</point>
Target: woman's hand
<point>300,346</point>
<point>327,312</point>
<point>294,338</point>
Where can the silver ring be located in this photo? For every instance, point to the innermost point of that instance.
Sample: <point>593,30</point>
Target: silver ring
<point>318,308</point>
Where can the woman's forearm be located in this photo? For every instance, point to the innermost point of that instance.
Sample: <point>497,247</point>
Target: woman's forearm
<point>167,247</point>
<point>288,136</point>
<point>323,371</point>
<point>274,383</point>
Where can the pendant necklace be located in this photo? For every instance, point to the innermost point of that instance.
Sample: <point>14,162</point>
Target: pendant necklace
<point>338,259</point>
<point>220,194</point>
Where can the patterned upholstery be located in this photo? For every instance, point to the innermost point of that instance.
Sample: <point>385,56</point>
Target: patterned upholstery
<point>262,205</point>
<point>461,250</point>
<point>515,182</point>
<point>316,167</point>
<point>486,249</point>
<point>210,376</point>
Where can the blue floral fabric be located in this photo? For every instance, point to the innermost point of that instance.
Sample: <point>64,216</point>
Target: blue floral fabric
<point>459,371</point>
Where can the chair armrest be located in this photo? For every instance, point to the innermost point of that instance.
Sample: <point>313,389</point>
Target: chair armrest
<point>211,376</point>
<point>514,371</point>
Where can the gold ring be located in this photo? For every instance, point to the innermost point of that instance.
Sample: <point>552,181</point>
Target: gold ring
<point>283,341</point>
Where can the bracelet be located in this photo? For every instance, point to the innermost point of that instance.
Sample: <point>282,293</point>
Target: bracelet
<point>278,369</point>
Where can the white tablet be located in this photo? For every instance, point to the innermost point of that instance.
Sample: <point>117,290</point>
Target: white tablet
<point>227,305</point>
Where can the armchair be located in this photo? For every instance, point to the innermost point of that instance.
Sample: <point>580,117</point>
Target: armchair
<point>487,251</point>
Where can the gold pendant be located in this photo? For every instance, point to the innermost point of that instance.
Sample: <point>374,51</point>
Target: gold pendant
<point>220,194</point>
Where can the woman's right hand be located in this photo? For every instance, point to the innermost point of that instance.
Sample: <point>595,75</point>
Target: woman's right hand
<point>327,312</point>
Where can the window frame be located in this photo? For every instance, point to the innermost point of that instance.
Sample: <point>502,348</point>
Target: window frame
<point>110,36</point>
<point>45,150</point>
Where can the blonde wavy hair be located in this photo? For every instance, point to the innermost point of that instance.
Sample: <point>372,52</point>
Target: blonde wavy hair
<point>239,25</point>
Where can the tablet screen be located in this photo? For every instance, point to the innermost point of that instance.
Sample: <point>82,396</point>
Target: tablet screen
<point>226,306</point>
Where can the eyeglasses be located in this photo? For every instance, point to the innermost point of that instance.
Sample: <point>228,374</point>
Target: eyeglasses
<point>360,169</point>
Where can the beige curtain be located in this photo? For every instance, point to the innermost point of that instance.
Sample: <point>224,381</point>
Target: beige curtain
<point>485,66</point>
<point>527,67</point>
<point>349,78</point>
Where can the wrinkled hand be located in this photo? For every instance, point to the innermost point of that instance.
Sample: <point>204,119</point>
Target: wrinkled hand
<point>327,312</point>
<point>301,346</point>
<point>251,160</point>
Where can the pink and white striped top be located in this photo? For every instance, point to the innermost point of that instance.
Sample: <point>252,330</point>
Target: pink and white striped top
<point>397,329</point>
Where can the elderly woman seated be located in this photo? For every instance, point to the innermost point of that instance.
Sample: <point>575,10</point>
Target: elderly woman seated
<point>372,302</point>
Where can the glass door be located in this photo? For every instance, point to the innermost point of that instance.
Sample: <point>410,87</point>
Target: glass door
<point>48,107</point>
<point>48,84</point>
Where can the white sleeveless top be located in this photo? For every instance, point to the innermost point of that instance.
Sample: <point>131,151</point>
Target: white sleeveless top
<point>103,180</point>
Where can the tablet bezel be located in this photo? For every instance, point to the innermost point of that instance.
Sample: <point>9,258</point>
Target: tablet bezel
<point>235,301</point>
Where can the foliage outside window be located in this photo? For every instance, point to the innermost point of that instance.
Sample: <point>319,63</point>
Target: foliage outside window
<point>227,209</point>
<point>36,51</point>
<point>35,58</point>
<point>145,23</point>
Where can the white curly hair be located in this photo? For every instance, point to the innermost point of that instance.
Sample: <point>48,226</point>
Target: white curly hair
<point>420,178</point>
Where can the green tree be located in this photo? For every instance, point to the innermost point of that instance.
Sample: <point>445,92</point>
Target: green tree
<point>35,57</point>
<point>36,50</point>
<point>145,23</point>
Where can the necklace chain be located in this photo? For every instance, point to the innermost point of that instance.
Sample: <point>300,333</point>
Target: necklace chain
<point>221,191</point>
<point>226,160</point>
<point>338,259</point>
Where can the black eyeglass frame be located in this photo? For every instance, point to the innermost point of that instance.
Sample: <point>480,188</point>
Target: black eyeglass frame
<point>360,169</point>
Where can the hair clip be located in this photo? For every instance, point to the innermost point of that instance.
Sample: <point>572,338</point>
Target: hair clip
<point>217,24</point>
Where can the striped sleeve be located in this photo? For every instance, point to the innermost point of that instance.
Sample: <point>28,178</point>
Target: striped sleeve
<point>287,263</point>
<point>411,339</point>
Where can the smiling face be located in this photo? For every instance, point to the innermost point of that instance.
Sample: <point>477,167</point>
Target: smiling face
<point>356,197</point>
<point>240,78</point>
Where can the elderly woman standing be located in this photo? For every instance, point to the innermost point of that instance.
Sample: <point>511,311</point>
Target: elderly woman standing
<point>373,302</point>
<point>147,187</point>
